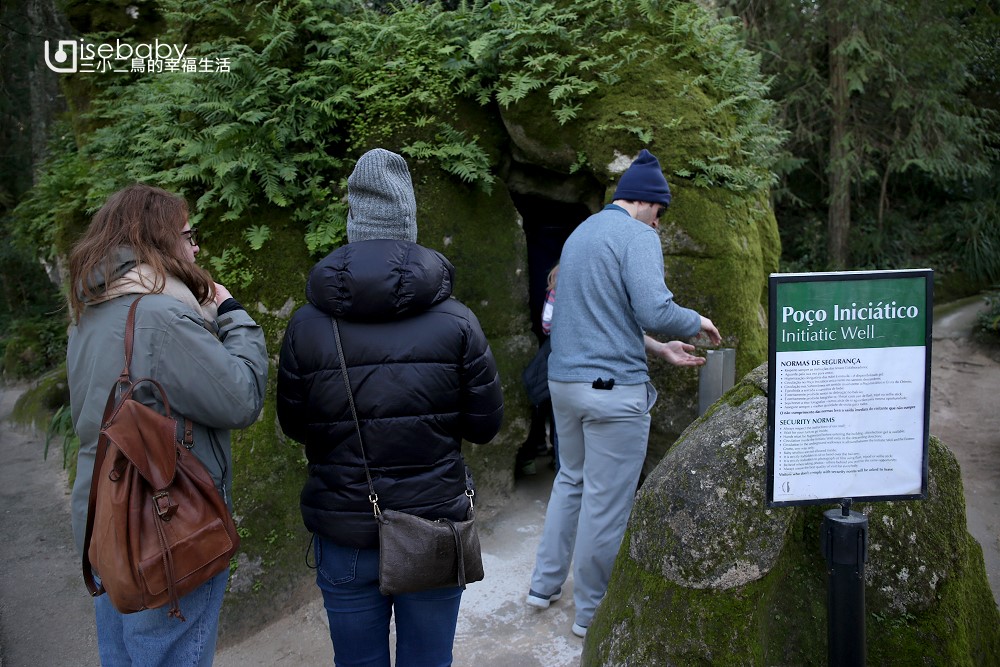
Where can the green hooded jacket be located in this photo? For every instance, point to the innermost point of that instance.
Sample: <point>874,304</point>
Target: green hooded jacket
<point>215,374</point>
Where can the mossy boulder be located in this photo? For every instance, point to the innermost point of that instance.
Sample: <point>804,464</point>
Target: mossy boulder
<point>35,407</point>
<point>707,574</point>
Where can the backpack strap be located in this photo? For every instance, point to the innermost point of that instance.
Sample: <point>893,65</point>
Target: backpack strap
<point>124,378</point>
<point>130,335</point>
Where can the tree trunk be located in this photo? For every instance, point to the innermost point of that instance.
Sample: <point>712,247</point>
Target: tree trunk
<point>839,174</point>
<point>30,99</point>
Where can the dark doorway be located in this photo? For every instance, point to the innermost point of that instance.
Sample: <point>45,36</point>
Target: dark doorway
<point>547,225</point>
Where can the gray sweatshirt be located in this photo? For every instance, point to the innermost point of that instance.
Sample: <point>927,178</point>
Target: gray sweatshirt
<point>611,290</point>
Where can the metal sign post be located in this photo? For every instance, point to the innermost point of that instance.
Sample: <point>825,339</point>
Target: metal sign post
<point>844,542</point>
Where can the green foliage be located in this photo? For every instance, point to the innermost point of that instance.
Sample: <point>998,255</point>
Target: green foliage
<point>257,235</point>
<point>329,231</point>
<point>312,84</point>
<point>56,200</point>
<point>989,320</point>
<point>569,50</point>
<point>228,141</point>
<point>581,162</point>
<point>456,155</point>
<point>33,345</point>
<point>61,426</point>
<point>42,399</point>
<point>231,267</point>
<point>25,288</point>
<point>745,153</point>
<point>906,68</point>
<point>979,225</point>
<point>644,134</point>
<point>920,110</point>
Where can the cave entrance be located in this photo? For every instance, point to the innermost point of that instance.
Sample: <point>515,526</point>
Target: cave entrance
<point>551,206</point>
<point>547,225</point>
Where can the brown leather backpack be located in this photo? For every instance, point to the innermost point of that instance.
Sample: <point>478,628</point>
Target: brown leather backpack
<point>157,528</point>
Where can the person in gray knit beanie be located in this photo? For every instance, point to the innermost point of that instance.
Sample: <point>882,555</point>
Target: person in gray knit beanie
<point>380,199</point>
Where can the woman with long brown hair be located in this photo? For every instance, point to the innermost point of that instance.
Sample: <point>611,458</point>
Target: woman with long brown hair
<point>194,339</point>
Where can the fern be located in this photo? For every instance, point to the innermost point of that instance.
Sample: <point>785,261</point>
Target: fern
<point>231,268</point>
<point>455,155</point>
<point>643,133</point>
<point>61,426</point>
<point>257,235</point>
<point>581,162</point>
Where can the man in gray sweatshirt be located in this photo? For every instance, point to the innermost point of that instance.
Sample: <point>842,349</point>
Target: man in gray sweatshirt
<point>611,292</point>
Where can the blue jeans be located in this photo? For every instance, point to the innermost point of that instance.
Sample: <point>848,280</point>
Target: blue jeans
<point>359,615</point>
<point>152,639</point>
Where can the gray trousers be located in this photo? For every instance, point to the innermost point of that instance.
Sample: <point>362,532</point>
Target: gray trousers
<point>602,445</point>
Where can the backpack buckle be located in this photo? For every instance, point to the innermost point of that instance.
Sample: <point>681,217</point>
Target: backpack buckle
<point>164,507</point>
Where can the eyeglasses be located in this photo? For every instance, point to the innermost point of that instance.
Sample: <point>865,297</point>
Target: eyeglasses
<point>191,235</point>
<point>660,211</point>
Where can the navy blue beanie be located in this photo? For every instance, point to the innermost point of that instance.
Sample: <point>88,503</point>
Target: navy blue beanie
<point>643,181</point>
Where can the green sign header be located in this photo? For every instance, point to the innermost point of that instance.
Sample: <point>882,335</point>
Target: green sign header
<point>836,314</point>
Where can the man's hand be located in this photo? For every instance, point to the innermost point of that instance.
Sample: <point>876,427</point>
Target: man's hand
<point>675,352</point>
<point>709,329</point>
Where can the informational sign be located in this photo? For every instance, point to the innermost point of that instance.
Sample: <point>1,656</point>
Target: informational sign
<point>849,378</point>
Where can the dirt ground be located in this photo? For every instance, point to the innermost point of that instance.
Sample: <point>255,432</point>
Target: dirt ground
<point>46,616</point>
<point>965,414</point>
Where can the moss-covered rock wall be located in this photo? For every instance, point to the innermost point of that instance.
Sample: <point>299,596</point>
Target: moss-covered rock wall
<point>708,575</point>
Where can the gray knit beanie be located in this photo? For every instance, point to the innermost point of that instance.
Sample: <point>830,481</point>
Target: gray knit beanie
<point>380,199</point>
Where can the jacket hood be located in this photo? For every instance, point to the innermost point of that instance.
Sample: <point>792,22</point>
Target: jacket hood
<point>120,261</point>
<point>379,280</point>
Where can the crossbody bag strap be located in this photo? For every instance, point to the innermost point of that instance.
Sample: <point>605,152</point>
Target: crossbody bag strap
<point>372,496</point>
<point>124,378</point>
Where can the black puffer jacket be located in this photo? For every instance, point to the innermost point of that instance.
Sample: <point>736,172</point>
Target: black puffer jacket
<point>423,378</point>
